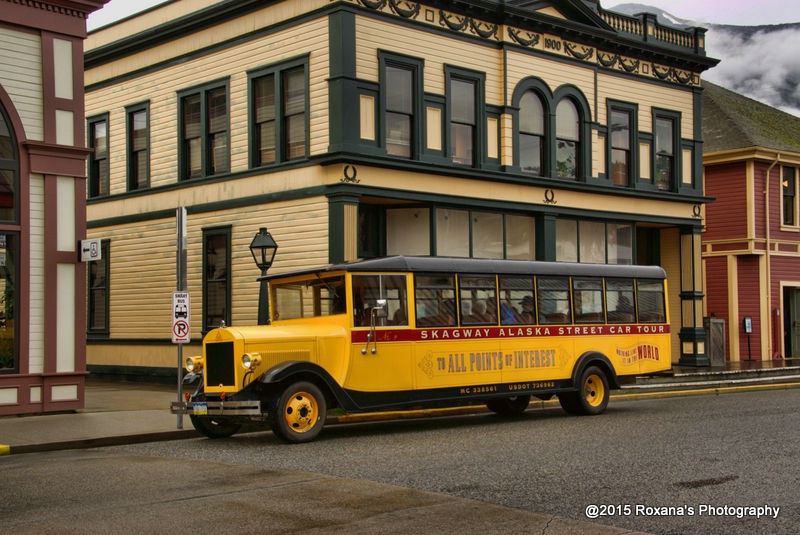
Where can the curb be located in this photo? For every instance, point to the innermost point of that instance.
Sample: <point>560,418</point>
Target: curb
<point>100,442</point>
<point>717,390</point>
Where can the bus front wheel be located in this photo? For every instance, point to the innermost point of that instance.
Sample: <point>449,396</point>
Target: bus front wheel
<point>512,406</point>
<point>214,428</point>
<point>592,394</point>
<point>298,413</point>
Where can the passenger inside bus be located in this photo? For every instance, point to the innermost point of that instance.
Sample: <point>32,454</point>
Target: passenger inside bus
<point>526,316</point>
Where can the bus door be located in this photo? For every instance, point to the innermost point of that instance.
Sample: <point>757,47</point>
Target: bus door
<point>380,352</point>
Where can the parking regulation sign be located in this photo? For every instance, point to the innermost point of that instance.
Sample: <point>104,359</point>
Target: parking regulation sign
<point>181,331</point>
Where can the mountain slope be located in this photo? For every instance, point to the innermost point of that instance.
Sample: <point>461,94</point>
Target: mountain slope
<point>760,62</point>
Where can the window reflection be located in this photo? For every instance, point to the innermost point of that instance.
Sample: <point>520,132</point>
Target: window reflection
<point>9,250</point>
<point>567,139</point>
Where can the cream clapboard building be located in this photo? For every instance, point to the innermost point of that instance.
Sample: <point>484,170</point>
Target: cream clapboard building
<point>552,130</point>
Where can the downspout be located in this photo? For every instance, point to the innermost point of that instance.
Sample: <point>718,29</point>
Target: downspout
<point>768,245</point>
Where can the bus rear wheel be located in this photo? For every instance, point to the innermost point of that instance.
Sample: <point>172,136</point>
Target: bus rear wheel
<point>298,413</point>
<point>592,395</point>
<point>512,406</point>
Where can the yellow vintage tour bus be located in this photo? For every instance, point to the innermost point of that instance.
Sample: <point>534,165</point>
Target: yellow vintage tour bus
<point>407,332</point>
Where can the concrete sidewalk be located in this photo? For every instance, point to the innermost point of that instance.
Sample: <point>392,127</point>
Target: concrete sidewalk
<point>114,413</point>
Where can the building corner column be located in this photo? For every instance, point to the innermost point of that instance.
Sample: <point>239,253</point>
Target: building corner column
<point>692,334</point>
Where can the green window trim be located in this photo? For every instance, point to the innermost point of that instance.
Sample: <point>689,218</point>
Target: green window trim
<point>279,113</point>
<point>98,293</point>
<point>666,163</point>
<point>622,147</point>
<point>204,131</point>
<point>401,105</point>
<point>98,165</point>
<point>216,277</point>
<point>465,134</point>
<point>138,146</point>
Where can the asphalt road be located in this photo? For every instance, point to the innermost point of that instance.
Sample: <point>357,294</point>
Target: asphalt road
<point>701,464</point>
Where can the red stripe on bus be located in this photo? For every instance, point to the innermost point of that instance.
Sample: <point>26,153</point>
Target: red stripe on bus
<point>507,332</point>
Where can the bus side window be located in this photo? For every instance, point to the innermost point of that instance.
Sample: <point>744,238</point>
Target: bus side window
<point>435,298</point>
<point>366,289</point>
<point>516,300</point>
<point>650,296</point>
<point>478,299</point>
<point>393,289</point>
<point>553,295</point>
<point>619,300</point>
<point>587,297</point>
<point>369,289</point>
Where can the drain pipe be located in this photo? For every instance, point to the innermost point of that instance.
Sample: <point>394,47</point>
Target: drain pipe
<point>768,244</point>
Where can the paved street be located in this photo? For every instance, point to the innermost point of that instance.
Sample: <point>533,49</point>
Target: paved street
<point>693,464</point>
<point>723,450</point>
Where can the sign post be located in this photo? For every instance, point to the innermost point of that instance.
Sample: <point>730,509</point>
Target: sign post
<point>181,332</point>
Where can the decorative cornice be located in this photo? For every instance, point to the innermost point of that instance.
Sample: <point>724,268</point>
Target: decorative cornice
<point>600,46</point>
<point>754,153</point>
<point>69,8</point>
<point>549,41</point>
<point>61,160</point>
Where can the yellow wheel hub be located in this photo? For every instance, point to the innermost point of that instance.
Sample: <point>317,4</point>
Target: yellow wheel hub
<point>301,412</point>
<point>594,390</point>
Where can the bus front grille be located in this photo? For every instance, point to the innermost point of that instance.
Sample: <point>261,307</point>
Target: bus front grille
<point>220,364</point>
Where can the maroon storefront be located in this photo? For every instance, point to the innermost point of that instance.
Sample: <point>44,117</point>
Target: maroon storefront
<point>42,205</point>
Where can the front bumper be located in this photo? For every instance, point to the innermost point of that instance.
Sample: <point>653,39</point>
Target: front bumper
<point>217,408</point>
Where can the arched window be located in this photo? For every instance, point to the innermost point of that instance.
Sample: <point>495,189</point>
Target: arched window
<point>531,133</point>
<point>568,139</point>
<point>9,244</point>
<point>9,168</point>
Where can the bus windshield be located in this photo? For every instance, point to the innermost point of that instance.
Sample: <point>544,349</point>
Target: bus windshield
<point>308,298</point>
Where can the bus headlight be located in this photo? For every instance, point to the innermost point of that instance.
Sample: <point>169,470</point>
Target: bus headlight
<point>194,364</point>
<point>251,360</point>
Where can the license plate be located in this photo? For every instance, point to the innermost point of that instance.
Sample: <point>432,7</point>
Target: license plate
<point>200,407</point>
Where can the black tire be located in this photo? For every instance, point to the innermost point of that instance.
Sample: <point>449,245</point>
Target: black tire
<point>570,403</point>
<point>511,406</point>
<point>592,395</point>
<point>214,428</point>
<point>297,415</point>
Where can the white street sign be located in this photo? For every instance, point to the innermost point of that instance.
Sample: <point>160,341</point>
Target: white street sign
<point>90,250</point>
<point>181,330</point>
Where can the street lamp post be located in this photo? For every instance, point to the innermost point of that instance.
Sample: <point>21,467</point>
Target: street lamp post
<point>263,249</point>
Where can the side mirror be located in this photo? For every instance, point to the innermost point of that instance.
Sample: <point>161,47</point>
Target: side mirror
<point>380,309</point>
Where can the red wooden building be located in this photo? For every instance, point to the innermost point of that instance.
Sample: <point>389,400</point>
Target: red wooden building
<point>42,205</point>
<point>751,241</point>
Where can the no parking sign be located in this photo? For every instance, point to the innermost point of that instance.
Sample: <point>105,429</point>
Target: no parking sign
<point>181,330</point>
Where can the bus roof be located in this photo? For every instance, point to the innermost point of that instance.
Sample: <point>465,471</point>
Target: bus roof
<point>479,266</point>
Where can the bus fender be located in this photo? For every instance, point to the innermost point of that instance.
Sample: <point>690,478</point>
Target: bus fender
<point>192,377</point>
<point>305,371</point>
<point>593,358</point>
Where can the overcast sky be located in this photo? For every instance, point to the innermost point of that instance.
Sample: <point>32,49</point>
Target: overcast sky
<point>117,9</point>
<point>737,12</point>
